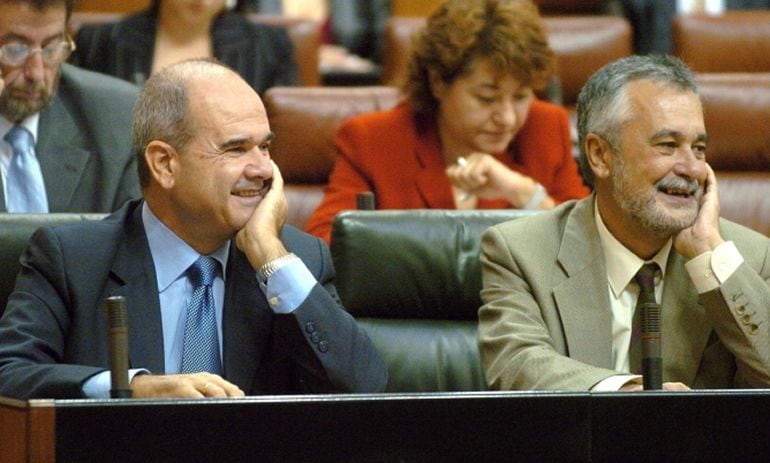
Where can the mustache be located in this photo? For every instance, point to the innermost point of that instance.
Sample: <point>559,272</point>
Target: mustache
<point>688,185</point>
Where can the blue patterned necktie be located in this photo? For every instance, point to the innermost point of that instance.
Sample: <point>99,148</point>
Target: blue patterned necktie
<point>24,180</point>
<point>645,278</point>
<point>201,342</point>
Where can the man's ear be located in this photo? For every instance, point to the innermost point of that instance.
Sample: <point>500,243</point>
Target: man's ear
<point>599,155</point>
<point>163,162</point>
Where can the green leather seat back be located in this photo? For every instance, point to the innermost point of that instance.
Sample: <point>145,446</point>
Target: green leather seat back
<point>15,231</point>
<point>412,279</point>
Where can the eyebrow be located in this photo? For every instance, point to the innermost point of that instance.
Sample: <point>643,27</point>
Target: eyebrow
<point>240,141</point>
<point>676,134</point>
<point>14,37</point>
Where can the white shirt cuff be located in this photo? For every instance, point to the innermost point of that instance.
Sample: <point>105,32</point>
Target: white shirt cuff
<point>98,386</point>
<point>711,269</point>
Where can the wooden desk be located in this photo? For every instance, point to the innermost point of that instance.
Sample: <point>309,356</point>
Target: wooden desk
<point>484,426</point>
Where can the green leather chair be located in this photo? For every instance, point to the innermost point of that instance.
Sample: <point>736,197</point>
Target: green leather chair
<point>412,280</point>
<point>15,230</point>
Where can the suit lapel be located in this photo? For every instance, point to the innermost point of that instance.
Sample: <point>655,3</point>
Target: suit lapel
<point>684,326</point>
<point>133,276</point>
<point>59,149</point>
<point>246,322</point>
<point>583,299</point>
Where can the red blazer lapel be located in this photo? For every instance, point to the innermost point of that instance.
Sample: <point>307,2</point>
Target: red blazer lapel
<point>432,182</point>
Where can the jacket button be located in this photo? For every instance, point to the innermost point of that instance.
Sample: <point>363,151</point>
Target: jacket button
<point>315,338</point>
<point>309,327</point>
<point>323,346</point>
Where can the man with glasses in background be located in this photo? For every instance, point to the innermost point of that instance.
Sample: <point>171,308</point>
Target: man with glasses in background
<point>66,139</point>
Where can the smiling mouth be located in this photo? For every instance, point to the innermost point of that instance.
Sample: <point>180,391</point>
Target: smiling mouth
<point>252,192</point>
<point>682,193</point>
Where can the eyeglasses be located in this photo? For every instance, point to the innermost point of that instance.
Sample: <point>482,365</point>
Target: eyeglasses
<point>16,54</point>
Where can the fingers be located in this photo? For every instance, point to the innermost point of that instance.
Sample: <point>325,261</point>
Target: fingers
<point>220,388</point>
<point>184,385</point>
<point>469,173</point>
<point>676,387</point>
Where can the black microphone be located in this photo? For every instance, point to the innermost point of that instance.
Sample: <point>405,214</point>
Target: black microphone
<point>652,363</point>
<point>365,201</point>
<point>117,336</point>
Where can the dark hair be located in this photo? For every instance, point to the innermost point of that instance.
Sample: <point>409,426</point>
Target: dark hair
<point>509,33</point>
<point>603,105</point>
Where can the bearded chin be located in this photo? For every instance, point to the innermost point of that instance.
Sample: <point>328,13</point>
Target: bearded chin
<point>662,223</point>
<point>15,109</point>
<point>645,210</point>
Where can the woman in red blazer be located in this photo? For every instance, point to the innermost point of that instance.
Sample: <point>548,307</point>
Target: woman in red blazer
<point>470,133</point>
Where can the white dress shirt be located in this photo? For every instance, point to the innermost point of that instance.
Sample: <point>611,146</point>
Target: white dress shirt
<point>707,272</point>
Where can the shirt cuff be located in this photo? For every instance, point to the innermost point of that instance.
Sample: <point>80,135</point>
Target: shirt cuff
<point>288,286</point>
<point>614,383</point>
<point>98,386</point>
<point>712,268</point>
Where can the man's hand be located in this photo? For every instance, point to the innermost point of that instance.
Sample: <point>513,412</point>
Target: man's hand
<point>703,235</point>
<point>260,238</point>
<point>184,385</point>
<point>633,387</point>
<point>486,177</point>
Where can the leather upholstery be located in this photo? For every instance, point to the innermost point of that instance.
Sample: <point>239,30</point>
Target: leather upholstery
<point>734,41</point>
<point>582,45</point>
<point>737,114</point>
<point>305,120</point>
<point>305,36</point>
<point>15,230</point>
<point>412,279</point>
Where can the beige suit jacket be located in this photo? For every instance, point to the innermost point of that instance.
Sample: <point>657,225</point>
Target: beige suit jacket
<point>546,320</point>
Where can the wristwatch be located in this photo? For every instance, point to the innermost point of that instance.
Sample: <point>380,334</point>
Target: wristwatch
<point>270,267</point>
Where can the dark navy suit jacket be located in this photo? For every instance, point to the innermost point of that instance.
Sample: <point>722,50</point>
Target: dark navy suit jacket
<point>53,330</point>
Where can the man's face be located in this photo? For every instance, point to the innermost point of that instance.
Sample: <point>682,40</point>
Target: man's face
<point>225,171</point>
<point>658,172</point>
<point>29,86</point>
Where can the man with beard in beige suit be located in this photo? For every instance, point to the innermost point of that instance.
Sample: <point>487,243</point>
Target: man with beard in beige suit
<point>559,288</point>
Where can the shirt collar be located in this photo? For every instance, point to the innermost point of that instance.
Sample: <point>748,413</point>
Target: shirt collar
<point>171,255</point>
<point>30,123</point>
<point>622,264</point>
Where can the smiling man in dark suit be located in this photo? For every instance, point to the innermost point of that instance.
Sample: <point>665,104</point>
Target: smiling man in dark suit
<point>76,121</point>
<point>211,193</point>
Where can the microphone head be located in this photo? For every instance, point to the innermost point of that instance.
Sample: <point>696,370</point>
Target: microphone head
<point>115,307</point>
<point>649,317</point>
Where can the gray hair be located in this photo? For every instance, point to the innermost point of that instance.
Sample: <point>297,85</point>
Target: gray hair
<point>603,105</point>
<point>161,112</point>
